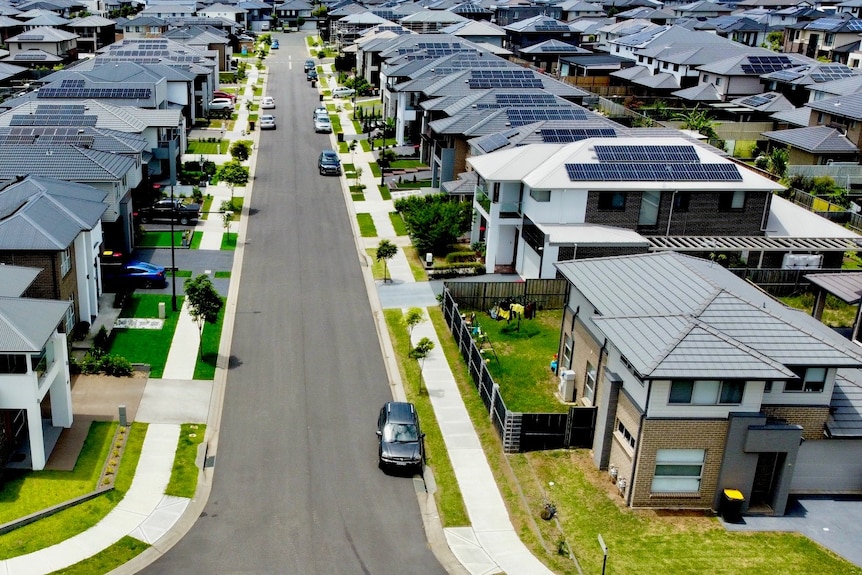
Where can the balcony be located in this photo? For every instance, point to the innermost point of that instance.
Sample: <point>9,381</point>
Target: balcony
<point>509,210</point>
<point>483,200</point>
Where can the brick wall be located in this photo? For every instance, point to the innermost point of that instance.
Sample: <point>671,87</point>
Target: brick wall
<point>702,217</point>
<point>585,349</point>
<point>621,453</point>
<point>811,418</point>
<point>49,284</point>
<point>656,434</point>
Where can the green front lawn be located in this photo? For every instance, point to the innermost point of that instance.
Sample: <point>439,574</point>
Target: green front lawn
<point>366,226</point>
<point>148,346</point>
<point>198,147</point>
<point>228,241</point>
<point>405,164</point>
<point>29,491</point>
<point>524,350</point>
<point>157,239</point>
<point>208,354</point>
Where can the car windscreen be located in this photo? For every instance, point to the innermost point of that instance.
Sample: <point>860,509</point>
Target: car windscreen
<point>400,433</point>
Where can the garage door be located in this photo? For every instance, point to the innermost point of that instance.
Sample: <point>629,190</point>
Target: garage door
<point>828,466</point>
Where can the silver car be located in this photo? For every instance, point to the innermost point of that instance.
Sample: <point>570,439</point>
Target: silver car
<point>267,122</point>
<point>322,124</point>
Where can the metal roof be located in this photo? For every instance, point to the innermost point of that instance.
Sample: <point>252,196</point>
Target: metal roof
<point>814,139</point>
<point>844,285</point>
<point>27,324</point>
<point>14,280</point>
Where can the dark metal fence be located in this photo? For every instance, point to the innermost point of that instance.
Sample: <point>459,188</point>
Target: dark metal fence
<point>780,282</point>
<point>547,293</point>
<point>519,431</point>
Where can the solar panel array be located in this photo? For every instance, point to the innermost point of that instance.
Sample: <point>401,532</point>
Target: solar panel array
<point>830,72</point>
<point>758,100</point>
<point>46,135</point>
<point>52,120</point>
<point>492,142</point>
<point>32,37</point>
<point>521,117</point>
<point>788,75</point>
<point>566,135</point>
<point>551,26</point>
<point>504,78</point>
<point>667,154</point>
<point>60,108</point>
<point>107,93</point>
<point>72,84</point>
<point>557,48</point>
<point>438,45</point>
<point>766,64</point>
<point>25,57</point>
<point>653,172</point>
<point>825,23</point>
<point>855,25</point>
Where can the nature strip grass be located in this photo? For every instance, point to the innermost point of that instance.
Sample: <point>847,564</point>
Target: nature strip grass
<point>184,474</point>
<point>228,241</point>
<point>206,361</point>
<point>366,225</point>
<point>222,274</point>
<point>70,522</point>
<point>450,503</point>
<point>108,559</point>
<point>148,346</point>
<point>398,223</point>
<point>384,192</point>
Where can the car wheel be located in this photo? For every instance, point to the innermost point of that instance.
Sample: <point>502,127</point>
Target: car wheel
<point>148,284</point>
<point>184,220</point>
<point>145,219</point>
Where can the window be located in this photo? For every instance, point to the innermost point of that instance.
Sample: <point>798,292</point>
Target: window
<point>676,67</point>
<point>612,201</point>
<point>590,382</point>
<point>734,201</point>
<point>625,434</point>
<point>718,81</point>
<point>767,387</point>
<point>65,261</point>
<point>567,352</point>
<point>681,201</point>
<point>69,319</point>
<point>649,208</point>
<point>678,470</point>
<point>13,363</point>
<point>811,380</point>
<point>540,195</point>
<point>706,392</point>
<point>706,78</point>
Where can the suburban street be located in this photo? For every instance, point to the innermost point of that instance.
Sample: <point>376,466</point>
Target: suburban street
<point>296,488</point>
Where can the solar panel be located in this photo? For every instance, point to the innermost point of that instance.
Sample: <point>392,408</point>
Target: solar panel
<point>30,57</point>
<point>854,25</point>
<point>521,117</point>
<point>525,99</point>
<point>828,72</point>
<point>72,84</point>
<point>566,135</point>
<point>786,75</point>
<point>482,83</point>
<point>106,93</point>
<point>766,64</point>
<point>492,142</point>
<point>758,100</point>
<point>31,37</point>
<point>653,172</point>
<point>552,28</point>
<point>52,120</point>
<point>671,154</point>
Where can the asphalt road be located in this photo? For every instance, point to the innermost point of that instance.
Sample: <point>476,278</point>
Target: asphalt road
<point>296,489</point>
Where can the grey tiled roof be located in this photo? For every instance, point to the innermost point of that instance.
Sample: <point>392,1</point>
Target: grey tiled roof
<point>635,297</point>
<point>849,106</point>
<point>815,139</point>
<point>42,214</point>
<point>14,280</point>
<point>26,324</point>
<point>845,415</point>
<point>64,162</point>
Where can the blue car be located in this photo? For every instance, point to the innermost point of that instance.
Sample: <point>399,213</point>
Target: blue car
<point>274,45</point>
<point>142,274</point>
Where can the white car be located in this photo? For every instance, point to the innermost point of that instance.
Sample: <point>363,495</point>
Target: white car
<point>342,92</point>
<point>267,103</point>
<point>323,124</point>
<point>221,105</point>
<point>267,122</point>
<point>319,111</point>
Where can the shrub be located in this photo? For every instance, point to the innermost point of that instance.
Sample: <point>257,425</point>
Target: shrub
<point>458,257</point>
<point>117,366</point>
<point>197,195</point>
<point>80,331</point>
<point>100,342</point>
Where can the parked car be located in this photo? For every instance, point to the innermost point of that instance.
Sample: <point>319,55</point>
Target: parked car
<point>320,111</point>
<point>267,103</point>
<point>309,65</point>
<point>401,442</point>
<point>132,274</point>
<point>274,45</point>
<point>267,122</point>
<point>328,163</point>
<point>220,104</point>
<point>342,92</point>
<point>322,124</point>
<point>168,209</point>
<point>220,94</point>
<point>311,75</point>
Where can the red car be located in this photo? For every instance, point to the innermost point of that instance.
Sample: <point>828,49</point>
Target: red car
<point>220,94</point>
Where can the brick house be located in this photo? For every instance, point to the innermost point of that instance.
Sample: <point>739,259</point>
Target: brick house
<point>703,383</point>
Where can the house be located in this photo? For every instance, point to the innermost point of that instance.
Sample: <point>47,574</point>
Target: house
<point>821,37</point>
<point>546,56</point>
<point>536,30</point>
<point>430,21</point>
<point>58,43</point>
<point>34,371</point>
<point>293,12</point>
<point>228,12</point>
<point>93,32</point>
<point>55,226</point>
<point>143,27</point>
<point>692,397</point>
<point>482,33</point>
<point>539,204</point>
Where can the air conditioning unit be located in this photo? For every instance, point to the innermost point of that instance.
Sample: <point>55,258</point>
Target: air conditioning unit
<point>566,389</point>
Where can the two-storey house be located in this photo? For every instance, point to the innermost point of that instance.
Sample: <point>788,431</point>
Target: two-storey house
<point>702,383</point>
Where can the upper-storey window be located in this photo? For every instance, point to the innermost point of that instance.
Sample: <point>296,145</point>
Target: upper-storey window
<point>706,392</point>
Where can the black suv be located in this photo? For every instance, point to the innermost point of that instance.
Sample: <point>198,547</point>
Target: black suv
<point>328,163</point>
<point>401,440</point>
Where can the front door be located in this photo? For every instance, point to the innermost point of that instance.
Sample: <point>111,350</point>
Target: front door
<point>766,477</point>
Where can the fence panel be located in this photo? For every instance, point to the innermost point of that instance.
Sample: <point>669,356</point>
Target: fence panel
<point>543,431</point>
<point>548,293</point>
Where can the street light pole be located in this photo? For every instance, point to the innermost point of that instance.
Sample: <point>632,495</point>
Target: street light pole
<point>173,260</point>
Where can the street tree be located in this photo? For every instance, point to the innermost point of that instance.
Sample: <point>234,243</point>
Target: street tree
<point>386,250</point>
<point>241,150</point>
<point>435,221</point>
<point>204,303</point>
<point>384,161</point>
<point>413,318</point>
<point>420,353</point>
<point>233,174</point>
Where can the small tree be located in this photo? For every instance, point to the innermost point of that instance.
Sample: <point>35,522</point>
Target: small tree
<point>413,318</point>
<point>204,303</point>
<point>386,250</point>
<point>357,173</point>
<point>233,174</point>
<point>419,353</point>
<point>384,160</point>
<point>241,150</point>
